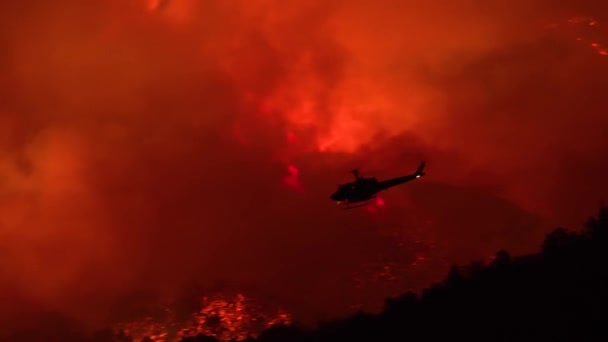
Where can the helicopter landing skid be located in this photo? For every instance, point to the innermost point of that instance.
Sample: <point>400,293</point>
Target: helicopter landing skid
<point>347,206</point>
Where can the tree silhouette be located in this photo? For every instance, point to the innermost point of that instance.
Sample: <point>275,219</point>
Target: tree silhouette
<point>559,294</point>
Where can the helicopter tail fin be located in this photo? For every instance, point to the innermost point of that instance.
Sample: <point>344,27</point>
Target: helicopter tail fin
<point>419,171</point>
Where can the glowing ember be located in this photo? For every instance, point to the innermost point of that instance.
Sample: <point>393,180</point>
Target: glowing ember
<point>403,248</point>
<point>235,319</point>
<point>225,318</point>
<point>146,327</point>
<point>587,29</point>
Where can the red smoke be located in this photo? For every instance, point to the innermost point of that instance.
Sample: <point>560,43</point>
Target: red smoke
<point>147,145</point>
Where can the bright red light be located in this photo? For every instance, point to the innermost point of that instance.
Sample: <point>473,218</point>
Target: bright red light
<point>293,170</point>
<point>292,180</point>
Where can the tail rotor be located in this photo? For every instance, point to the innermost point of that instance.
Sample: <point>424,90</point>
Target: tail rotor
<point>419,172</point>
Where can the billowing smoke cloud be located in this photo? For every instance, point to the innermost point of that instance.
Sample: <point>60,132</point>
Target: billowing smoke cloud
<point>150,144</point>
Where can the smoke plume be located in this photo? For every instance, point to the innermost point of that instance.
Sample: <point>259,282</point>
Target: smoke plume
<point>148,145</point>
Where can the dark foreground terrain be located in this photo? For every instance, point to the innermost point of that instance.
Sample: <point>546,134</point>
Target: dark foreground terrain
<point>559,294</point>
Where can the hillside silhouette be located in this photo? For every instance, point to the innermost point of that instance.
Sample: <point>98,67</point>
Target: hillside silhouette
<point>558,294</point>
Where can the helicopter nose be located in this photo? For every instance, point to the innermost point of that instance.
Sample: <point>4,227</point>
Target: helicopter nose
<point>334,197</point>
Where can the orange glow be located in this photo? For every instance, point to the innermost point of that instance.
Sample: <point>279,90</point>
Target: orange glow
<point>152,5</point>
<point>220,316</point>
<point>149,145</point>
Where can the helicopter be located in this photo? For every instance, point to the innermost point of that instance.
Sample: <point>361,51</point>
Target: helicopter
<point>364,189</point>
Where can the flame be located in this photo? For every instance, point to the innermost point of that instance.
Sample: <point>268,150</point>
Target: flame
<point>345,111</point>
<point>145,328</point>
<point>226,318</point>
<point>361,105</point>
<point>354,106</point>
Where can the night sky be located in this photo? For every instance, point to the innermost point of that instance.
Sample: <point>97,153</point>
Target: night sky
<point>147,146</point>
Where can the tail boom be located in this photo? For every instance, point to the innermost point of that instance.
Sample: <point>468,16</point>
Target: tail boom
<point>383,185</point>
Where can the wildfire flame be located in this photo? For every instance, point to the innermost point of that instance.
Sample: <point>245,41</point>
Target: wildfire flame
<point>305,99</point>
<point>226,318</point>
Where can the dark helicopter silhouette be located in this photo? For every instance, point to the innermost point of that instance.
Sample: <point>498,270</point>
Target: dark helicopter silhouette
<point>364,189</point>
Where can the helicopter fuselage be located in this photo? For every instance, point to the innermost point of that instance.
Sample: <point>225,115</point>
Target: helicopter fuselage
<point>364,189</point>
